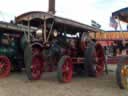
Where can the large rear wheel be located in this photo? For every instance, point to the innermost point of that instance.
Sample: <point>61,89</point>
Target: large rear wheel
<point>94,60</point>
<point>33,62</point>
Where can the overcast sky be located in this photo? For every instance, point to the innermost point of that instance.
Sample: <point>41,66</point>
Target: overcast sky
<point>80,10</point>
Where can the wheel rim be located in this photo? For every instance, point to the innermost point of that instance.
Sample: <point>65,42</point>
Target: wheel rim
<point>100,60</point>
<point>37,64</point>
<point>5,66</point>
<point>124,75</point>
<point>67,70</point>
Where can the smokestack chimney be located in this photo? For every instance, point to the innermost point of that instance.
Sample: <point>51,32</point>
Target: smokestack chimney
<point>51,7</point>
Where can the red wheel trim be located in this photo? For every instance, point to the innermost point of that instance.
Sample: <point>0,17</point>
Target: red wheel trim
<point>37,65</point>
<point>5,66</point>
<point>100,60</point>
<point>67,70</point>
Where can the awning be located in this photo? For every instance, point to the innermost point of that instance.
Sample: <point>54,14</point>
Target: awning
<point>122,14</point>
<point>38,16</point>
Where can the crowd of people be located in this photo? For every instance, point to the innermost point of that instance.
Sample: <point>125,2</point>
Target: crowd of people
<point>117,48</point>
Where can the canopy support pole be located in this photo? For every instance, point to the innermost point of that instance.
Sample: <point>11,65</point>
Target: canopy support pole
<point>28,40</point>
<point>44,30</point>
<point>121,30</point>
<point>50,31</point>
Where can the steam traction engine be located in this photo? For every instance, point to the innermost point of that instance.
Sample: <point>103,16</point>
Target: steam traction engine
<point>11,53</point>
<point>122,66</point>
<point>62,45</point>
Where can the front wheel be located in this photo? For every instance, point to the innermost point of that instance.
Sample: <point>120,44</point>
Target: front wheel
<point>122,73</point>
<point>33,62</point>
<point>65,69</point>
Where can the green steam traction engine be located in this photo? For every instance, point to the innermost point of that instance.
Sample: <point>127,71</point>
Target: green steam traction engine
<point>11,48</point>
<point>63,45</point>
<point>44,46</point>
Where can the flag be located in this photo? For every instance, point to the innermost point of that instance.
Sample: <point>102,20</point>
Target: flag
<point>113,23</point>
<point>95,24</point>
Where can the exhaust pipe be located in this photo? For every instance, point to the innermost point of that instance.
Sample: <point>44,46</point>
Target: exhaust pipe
<point>52,7</point>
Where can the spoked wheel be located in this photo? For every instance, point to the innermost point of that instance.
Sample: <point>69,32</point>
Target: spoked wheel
<point>5,66</point>
<point>100,60</point>
<point>65,69</point>
<point>94,60</point>
<point>122,73</point>
<point>34,62</point>
<point>37,64</point>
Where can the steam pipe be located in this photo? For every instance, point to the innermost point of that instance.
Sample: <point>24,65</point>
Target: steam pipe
<point>51,7</point>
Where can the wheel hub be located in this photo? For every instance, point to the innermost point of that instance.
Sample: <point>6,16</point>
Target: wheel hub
<point>67,69</point>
